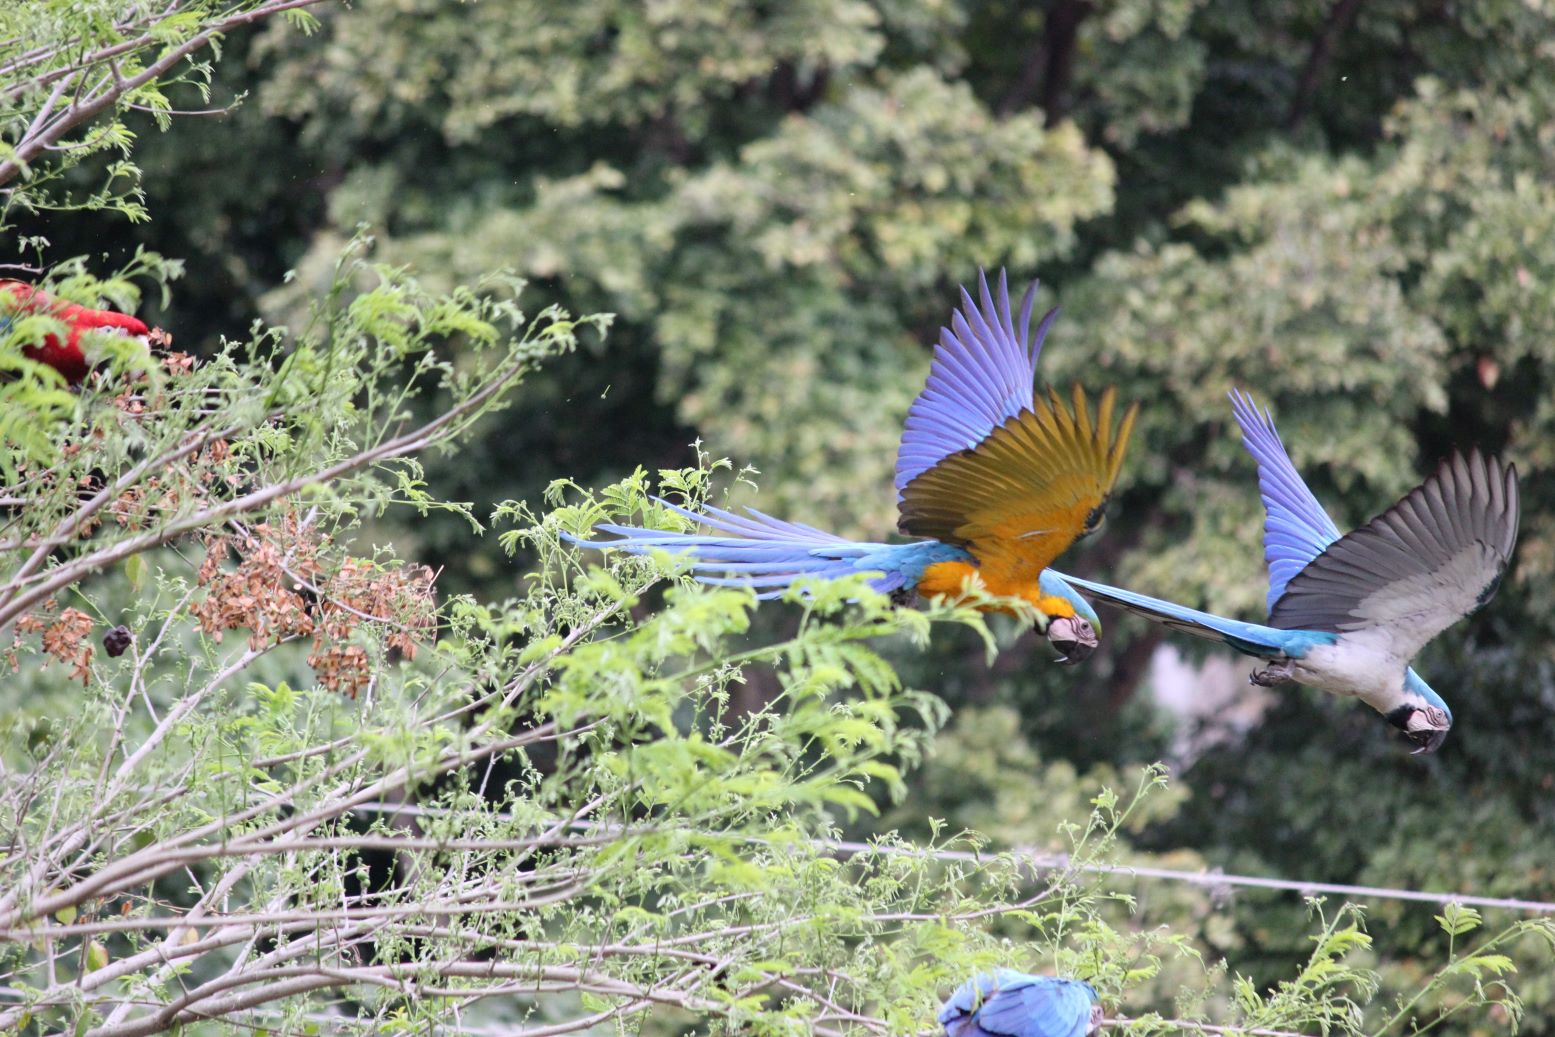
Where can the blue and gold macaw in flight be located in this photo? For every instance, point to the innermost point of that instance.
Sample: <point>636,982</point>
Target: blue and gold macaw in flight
<point>996,480</point>
<point>1348,613</point>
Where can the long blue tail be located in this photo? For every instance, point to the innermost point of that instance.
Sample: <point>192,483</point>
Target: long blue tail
<point>767,554</point>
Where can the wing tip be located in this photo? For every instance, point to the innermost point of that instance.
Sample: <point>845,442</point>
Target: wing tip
<point>1249,412</point>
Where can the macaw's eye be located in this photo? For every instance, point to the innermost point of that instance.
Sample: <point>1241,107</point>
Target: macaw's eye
<point>1094,520</point>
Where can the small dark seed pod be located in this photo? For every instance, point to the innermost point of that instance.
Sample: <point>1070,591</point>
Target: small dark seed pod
<point>117,640</point>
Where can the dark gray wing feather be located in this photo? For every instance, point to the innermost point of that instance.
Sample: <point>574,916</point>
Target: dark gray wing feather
<point>1422,565</point>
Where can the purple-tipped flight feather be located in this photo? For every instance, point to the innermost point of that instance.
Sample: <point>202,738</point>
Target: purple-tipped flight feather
<point>982,374</point>
<point>1296,528</point>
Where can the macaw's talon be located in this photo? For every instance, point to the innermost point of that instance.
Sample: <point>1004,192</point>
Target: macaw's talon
<point>1273,674</point>
<point>1074,637</point>
<point>903,596</point>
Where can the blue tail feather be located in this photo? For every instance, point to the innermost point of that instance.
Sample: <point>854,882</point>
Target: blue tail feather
<point>1249,638</point>
<point>767,554</point>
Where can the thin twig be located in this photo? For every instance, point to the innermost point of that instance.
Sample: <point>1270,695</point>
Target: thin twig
<point>105,95</point>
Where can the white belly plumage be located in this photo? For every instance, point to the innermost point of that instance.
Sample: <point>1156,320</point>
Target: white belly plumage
<point>1357,665</point>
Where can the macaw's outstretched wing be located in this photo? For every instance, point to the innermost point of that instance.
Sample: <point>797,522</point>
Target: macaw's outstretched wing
<point>1247,638</point>
<point>1006,1003</point>
<point>981,376</point>
<point>1021,496</point>
<point>1419,567</point>
<point>1295,528</point>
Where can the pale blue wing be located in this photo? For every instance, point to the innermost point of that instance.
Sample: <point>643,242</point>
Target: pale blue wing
<point>1042,1007</point>
<point>1296,528</point>
<point>1006,1003</point>
<point>981,376</point>
<point>1248,638</point>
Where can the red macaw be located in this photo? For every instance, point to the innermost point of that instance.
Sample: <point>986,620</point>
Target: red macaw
<point>66,357</point>
<point>997,480</point>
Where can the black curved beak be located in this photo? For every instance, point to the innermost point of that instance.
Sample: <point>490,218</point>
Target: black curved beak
<point>1073,637</point>
<point>1427,741</point>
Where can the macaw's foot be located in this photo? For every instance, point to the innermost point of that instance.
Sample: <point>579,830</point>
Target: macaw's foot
<point>1074,638</point>
<point>1274,673</point>
<point>903,596</point>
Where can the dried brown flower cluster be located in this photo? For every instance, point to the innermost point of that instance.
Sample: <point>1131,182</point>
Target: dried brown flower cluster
<point>64,637</point>
<point>132,399</point>
<point>161,495</point>
<point>278,581</point>
<point>280,589</point>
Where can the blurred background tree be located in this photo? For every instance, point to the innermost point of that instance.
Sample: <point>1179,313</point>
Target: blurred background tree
<point>1345,206</point>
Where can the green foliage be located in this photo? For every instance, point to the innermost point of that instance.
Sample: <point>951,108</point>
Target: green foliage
<point>544,798</point>
<point>780,256</point>
<point>599,62</point>
<point>74,70</point>
<point>1340,207</point>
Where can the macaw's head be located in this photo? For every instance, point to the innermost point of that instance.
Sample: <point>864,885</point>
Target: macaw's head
<point>1426,726</point>
<point>1075,637</point>
<point>1423,717</point>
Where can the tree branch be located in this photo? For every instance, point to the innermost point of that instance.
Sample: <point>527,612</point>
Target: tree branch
<point>1340,17</point>
<point>1049,63</point>
<point>84,108</point>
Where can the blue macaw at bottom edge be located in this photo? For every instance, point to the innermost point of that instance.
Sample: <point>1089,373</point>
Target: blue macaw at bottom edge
<point>767,554</point>
<point>1006,1003</point>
